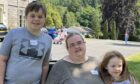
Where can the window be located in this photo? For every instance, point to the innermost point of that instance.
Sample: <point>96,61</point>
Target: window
<point>1,15</point>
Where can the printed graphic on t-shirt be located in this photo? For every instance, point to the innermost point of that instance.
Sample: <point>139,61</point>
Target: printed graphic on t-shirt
<point>31,49</point>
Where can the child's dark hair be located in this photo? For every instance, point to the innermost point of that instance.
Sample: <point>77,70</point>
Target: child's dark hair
<point>106,77</point>
<point>35,6</point>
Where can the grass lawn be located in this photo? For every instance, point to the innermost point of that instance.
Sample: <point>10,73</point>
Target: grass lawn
<point>134,65</point>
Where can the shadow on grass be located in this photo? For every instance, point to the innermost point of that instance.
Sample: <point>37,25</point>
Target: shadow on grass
<point>128,45</point>
<point>134,68</point>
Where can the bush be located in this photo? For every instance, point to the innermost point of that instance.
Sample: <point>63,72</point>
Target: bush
<point>87,36</point>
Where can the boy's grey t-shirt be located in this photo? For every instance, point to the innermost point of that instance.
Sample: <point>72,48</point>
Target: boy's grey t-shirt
<point>64,72</point>
<point>26,53</point>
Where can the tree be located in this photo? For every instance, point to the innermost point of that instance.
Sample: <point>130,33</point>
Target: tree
<point>95,23</point>
<point>105,30</point>
<point>70,19</point>
<point>86,16</point>
<point>122,11</point>
<point>113,30</point>
<point>56,19</point>
<point>74,6</point>
<point>49,21</point>
<point>65,19</point>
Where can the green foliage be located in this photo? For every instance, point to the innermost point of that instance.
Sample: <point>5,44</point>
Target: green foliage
<point>69,12</point>
<point>70,19</point>
<point>134,65</point>
<point>56,19</point>
<point>64,19</point>
<point>105,30</point>
<point>138,3</point>
<point>95,23</point>
<point>93,3</point>
<point>86,16</point>
<point>135,36</point>
<point>53,16</point>
<point>124,12</point>
<point>61,10</point>
<point>74,6</point>
<point>87,13</point>
<point>113,30</point>
<point>137,25</point>
<point>49,21</point>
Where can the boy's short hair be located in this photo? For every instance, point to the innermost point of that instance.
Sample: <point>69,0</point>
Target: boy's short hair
<point>35,6</point>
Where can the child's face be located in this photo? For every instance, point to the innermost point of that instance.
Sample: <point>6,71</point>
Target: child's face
<point>35,20</point>
<point>115,67</point>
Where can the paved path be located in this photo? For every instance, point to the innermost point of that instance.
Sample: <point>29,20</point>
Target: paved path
<point>98,48</point>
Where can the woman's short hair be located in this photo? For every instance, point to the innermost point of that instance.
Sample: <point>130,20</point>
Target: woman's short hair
<point>71,34</point>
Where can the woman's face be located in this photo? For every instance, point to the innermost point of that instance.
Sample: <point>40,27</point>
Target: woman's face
<point>35,20</point>
<point>76,46</point>
<point>115,67</point>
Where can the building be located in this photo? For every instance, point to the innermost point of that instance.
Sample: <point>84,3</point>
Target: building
<point>4,12</point>
<point>12,12</point>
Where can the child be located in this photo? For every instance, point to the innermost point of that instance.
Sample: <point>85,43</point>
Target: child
<point>113,69</point>
<point>25,51</point>
<point>126,37</point>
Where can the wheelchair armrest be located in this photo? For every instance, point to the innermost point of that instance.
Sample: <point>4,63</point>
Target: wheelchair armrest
<point>51,63</point>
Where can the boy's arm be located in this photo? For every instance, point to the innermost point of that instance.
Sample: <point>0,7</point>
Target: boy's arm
<point>3,61</point>
<point>45,65</point>
<point>45,69</point>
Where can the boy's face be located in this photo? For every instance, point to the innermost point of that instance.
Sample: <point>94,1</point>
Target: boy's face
<point>35,20</point>
<point>115,67</point>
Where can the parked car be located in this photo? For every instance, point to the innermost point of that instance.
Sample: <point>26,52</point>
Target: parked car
<point>3,31</point>
<point>44,30</point>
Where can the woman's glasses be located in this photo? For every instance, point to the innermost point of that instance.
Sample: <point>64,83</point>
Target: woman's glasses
<point>78,43</point>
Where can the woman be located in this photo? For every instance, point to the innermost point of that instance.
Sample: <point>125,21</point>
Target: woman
<point>76,67</point>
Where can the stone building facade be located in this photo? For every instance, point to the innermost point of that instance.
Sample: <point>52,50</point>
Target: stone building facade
<point>12,12</point>
<point>4,12</point>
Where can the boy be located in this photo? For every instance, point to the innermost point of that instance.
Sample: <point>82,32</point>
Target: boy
<point>25,51</point>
